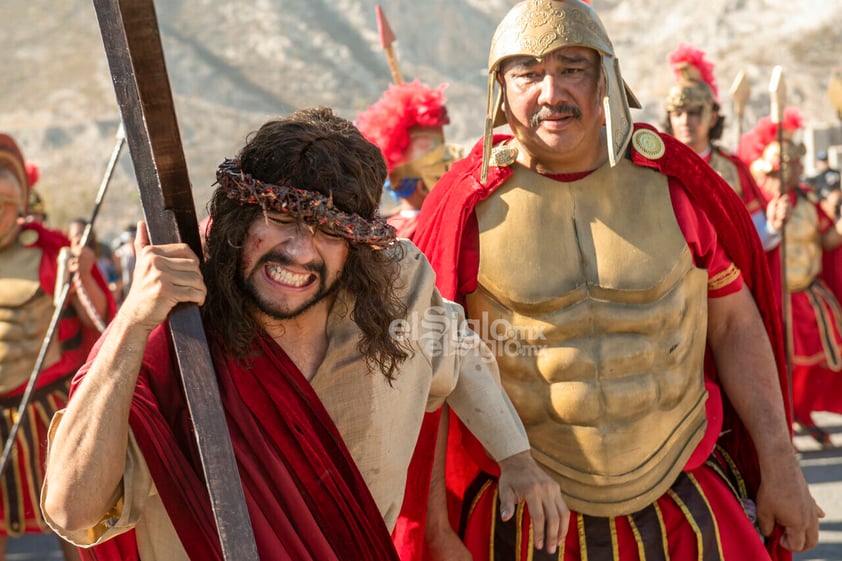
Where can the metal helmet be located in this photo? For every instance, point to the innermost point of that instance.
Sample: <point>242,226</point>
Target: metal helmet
<point>689,93</point>
<point>695,85</point>
<point>538,27</point>
<point>760,148</point>
<point>770,160</point>
<point>36,203</point>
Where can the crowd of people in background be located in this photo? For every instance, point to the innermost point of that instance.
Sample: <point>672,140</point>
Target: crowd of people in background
<point>796,219</point>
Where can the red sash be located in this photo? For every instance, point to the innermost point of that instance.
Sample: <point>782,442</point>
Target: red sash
<point>306,498</point>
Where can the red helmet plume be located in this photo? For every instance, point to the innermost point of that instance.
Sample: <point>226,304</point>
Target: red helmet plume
<point>753,142</point>
<point>388,121</point>
<point>689,63</point>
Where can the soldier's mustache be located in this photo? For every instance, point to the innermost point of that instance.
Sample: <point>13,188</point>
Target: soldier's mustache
<point>561,110</point>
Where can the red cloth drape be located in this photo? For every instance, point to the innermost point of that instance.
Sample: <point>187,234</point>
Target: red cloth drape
<point>305,496</point>
<point>70,328</point>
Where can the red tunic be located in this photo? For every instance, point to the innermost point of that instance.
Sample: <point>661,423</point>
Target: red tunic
<point>305,496</point>
<point>447,213</point>
<point>816,320</point>
<point>19,509</point>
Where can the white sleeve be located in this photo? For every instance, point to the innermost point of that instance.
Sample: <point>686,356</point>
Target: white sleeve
<point>128,503</point>
<point>464,370</point>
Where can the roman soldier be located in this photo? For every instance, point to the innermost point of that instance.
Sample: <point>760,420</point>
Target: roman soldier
<point>694,118</point>
<point>407,124</point>
<point>810,235</point>
<point>28,271</point>
<point>633,285</point>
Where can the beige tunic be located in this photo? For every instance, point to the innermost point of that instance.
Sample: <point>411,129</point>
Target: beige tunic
<point>379,423</point>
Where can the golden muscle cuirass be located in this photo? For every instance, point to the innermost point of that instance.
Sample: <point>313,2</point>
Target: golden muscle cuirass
<point>803,246</point>
<point>25,312</point>
<point>727,170</point>
<point>590,298</point>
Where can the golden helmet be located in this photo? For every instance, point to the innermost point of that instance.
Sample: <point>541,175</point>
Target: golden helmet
<point>695,83</point>
<point>538,27</point>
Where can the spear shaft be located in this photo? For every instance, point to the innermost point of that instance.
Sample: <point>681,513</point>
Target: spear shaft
<point>777,96</point>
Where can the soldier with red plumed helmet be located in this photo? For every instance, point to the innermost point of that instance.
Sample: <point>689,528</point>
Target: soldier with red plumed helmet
<point>407,124</point>
<point>693,117</point>
<point>811,236</point>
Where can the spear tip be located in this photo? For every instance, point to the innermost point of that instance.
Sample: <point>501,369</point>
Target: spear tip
<point>387,36</point>
<point>777,93</point>
<point>740,92</point>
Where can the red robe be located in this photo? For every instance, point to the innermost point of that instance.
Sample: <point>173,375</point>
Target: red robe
<point>305,496</point>
<point>756,201</point>
<point>447,210</point>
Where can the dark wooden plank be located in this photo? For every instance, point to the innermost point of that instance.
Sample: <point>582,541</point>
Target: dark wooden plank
<point>136,59</point>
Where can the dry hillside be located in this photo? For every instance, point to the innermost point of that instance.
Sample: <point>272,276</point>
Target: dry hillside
<point>233,63</point>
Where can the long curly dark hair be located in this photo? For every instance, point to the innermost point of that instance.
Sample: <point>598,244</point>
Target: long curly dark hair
<point>315,150</point>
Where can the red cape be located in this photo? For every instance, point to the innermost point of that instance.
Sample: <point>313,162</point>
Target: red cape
<point>439,235</point>
<point>305,496</point>
<point>752,196</point>
<point>756,200</point>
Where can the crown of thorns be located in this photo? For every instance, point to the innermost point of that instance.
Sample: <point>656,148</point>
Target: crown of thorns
<point>309,206</point>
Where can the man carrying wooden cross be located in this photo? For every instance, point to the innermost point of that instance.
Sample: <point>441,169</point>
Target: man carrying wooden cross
<point>329,341</point>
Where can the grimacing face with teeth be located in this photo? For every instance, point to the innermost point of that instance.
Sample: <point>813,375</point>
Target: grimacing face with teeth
<point>289,267</point>
<point>274,261</point>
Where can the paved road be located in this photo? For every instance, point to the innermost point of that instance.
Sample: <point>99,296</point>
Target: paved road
<point>823,469</point>
<point>33,548</point>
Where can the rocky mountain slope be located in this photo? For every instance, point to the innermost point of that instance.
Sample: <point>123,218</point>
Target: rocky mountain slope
<point>234,63</point>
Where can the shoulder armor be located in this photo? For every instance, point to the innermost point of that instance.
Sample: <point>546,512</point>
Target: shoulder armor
<point>648,144</point>
<point>503,155</point>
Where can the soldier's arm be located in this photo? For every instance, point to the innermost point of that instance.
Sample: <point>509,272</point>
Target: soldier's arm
<point>85,262</point>
<point>748,374</point>
<point>481,403</point>
<point>88,450</point>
